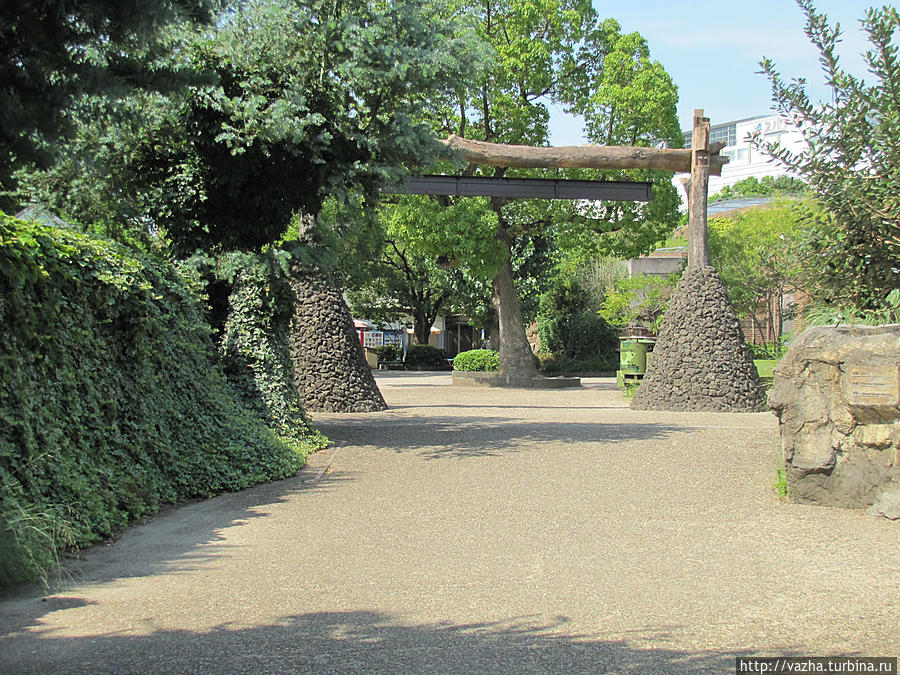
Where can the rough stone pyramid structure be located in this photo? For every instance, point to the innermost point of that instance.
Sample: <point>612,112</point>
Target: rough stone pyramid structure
<point>700,361</point>
<point>330,369</point>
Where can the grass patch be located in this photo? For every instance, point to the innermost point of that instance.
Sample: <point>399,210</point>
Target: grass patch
<point>781,487</point>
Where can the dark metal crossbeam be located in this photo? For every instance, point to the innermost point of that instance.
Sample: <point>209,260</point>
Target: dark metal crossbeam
<point>526,188</point>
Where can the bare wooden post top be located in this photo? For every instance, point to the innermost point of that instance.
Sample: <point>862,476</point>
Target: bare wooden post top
<point>698,240</point>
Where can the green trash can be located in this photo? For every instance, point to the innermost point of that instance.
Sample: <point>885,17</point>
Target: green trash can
<point>633,355</point>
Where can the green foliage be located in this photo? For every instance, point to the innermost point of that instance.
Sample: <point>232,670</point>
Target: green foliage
<point>479,360</point>
<point>559,365</point>
<point>851,159</point>
<point>582,335</point>
<point>569,329</point>
<point>311,99</point>
<point>641,300</point>
<point>110,397</point>
<point>54,52</point>
<point>771,350</point>
<point>30,539</point>
<point>564,298</point>
<point>464,232</point>
<point>627,99</point>
<point>767,186</point>
<point>404,280</point>
<point>597,276</point>
<point>425,355</point>
<point>302,99</point>
<point>254,341</point>
<point>781,487</point>
<point>388,353</point>
<point>758,254</point>
<point>836,314</point>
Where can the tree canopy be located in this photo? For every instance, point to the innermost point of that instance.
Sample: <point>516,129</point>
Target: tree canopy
<point>758,254</point>
<point>56,51</point>
<point>310,98</point>
<point>851,157</point>
<point>540,53</point>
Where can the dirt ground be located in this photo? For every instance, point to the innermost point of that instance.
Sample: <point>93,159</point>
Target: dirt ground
<point>483,530</point>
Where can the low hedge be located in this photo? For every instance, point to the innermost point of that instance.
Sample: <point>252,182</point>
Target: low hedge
<point>111,397</point>
<point>388,353</point>
<point>477,360</point>
<point>583,335</point>
<point>425,355</point>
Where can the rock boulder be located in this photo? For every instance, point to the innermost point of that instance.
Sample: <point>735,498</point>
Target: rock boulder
<point>837,397</point>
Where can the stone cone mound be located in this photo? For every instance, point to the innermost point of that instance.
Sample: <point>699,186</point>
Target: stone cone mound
<point>700,362</point>
<point>330,369</point>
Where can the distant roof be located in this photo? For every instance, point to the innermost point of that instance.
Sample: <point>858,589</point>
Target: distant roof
<point>670,252</point>
<point>38,214</point>
<point>735,204</point>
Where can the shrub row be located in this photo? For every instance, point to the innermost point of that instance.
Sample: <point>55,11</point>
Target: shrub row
<point>112,401</point>
<point>479,360</point>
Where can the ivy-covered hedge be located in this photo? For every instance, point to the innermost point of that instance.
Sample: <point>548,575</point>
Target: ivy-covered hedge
<point>252,308</point>
<point>112,401</point>
<point>478,360</point>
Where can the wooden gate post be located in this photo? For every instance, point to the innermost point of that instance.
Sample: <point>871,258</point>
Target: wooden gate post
<point>698,240</point>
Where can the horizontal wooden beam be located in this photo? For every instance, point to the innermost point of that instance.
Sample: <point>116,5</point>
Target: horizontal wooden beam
<point>526,188</point>
<point>578,156</point>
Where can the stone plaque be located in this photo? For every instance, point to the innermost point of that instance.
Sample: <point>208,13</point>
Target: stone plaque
<point>873,386</point>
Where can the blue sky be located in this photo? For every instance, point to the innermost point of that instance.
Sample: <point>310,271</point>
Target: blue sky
<point>712,51</point>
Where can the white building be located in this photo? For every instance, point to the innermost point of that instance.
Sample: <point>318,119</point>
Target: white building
<point>747,161</point>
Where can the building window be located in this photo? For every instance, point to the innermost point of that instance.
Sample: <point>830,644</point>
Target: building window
<point>724,132</point>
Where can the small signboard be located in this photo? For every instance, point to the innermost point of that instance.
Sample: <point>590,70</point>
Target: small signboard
<point>373,338</point>
<point>873,386</point>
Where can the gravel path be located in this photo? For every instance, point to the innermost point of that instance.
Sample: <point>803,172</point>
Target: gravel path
<point>483,530</point>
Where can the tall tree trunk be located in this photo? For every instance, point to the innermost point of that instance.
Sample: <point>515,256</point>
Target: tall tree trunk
<point>516,358</point>
<point>421,327</point>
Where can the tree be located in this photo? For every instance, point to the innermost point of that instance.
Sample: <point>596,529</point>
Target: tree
<point>310,98</point>
<point>767,186</point>
<point>640,300</point>
<point>536,56</point>
<point>54,52</point>
<point>314,98</point>
<point>406,284</point>
<point>627,99</point>
<point>756,254</point>
<point>851,158</point>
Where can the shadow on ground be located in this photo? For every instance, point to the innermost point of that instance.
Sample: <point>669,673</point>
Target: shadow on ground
<point>180,538</point>
<point>361,641</point>
<point>466,436</point>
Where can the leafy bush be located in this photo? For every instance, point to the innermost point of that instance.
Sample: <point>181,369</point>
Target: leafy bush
<point>837,314</point>
<point>557,365</point>
<point>768,186</point>
<point>771,350</point>
<point>387,353</point>
<point>426,355</point>
<point>640,300</point>
<point>253,326</point>
<point>564,297</point>
<point>480,360</point>
<point>583,335</point>
<point>110,395</point>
